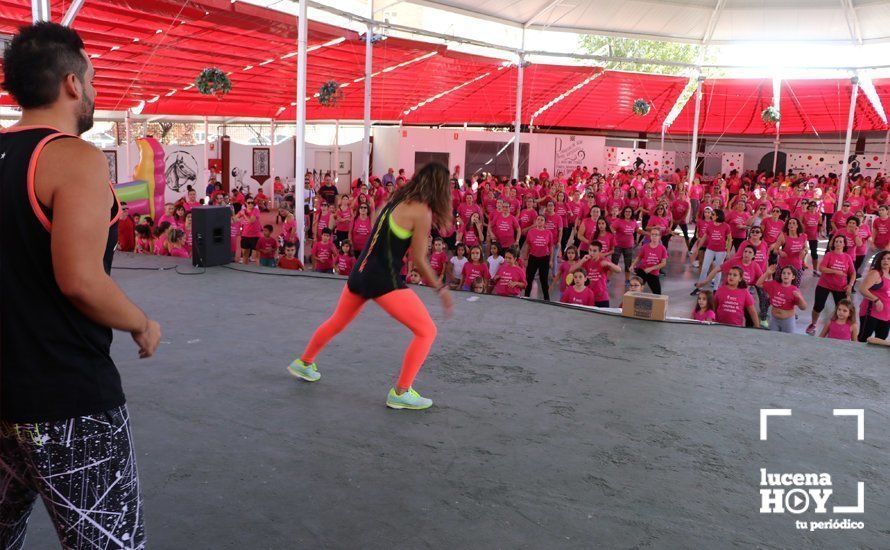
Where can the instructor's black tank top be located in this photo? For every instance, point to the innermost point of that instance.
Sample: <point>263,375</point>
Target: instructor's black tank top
<point>54,361</point>
<point>379,268</point>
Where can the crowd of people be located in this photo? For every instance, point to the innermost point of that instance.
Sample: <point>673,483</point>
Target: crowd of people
<point>753,237</point>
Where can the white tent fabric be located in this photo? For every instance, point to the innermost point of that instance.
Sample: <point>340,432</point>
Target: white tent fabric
<point>694,21</point>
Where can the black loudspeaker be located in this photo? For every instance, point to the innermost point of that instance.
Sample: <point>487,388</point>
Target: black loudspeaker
<point>211,235</point>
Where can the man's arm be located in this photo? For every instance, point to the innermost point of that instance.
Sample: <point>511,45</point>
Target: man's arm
<point>72,179</point>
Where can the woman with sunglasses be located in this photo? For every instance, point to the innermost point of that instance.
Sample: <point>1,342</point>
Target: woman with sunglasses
<point>360,231</point>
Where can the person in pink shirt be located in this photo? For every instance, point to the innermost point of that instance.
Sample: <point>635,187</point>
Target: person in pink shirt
<point>772,226</point>
<point>716,240</point>
<point>144,240</point>
<point>839,219</point>
<point>438,261</point>
<point>553,222</point>
<point>703,312</point>
<point>168,215</point>
<point>251,230</point>
<point>578,293</point>
<point>562,278</point>
<point>598,268</point>
<point>475,267</point>
<point>651,259</point>
<point>342,219</point>
<point>472,233</point>
<point>361,229</point>
<point>881,228</point>
<point>843,324</point>
<point>267,247</point>
<point>837,275</point>
<point>345,259</point>
<point>680,209</point>
<point>467,209</point>
<point>604,236</point>
<point>751,270</point>
<point>162,234</point>
<point>659,220</point>
<point>864,234</point>
<point>732,301</point>
<point>324,219</point>
<point>540,243</point>
<point>624,230</point>
<point>323,253</point>
<point>737,218</point>
<point>852,241</point>
<point>510,279</point>
<point>586,228</point>
<point>791,248</point>
<point>504,229</point>
<point>526,218</point>
<point>812,224</point>
<point>875,290</point>
<point>191,200</point>
<point>176,245</point>
<point>783,296</point>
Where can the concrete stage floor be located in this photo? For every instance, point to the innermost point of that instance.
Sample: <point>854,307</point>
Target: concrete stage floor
<point>553,428</point>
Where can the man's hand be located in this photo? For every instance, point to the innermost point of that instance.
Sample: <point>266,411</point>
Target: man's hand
<point>147,338</point>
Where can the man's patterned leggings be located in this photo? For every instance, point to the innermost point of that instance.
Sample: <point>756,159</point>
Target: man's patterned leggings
<point>84,470</point>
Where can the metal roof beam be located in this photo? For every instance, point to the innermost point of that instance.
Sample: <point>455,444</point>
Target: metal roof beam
<point>541,12</point>
<point>852,21</point>
<point>72,12</point>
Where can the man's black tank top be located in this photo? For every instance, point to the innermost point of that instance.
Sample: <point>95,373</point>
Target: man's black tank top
<point>55,363</point>
<point>379,268</point>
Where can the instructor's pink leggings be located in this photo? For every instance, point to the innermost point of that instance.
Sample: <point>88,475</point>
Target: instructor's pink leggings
<point>404,306</point>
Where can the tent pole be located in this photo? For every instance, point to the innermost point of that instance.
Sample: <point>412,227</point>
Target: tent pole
<point>777,95</point>
<point>366,142</point>
<point>300,152</point>
<point>129,137</point>
<point>206,170</point>
<point>271,163</point>
<point>40,11</point>
<point>693,161</point>
<point>776,149</point>
<point>663,128</point>
<point>337,152</point>
<point>518,122</point>
<point>850,119</point>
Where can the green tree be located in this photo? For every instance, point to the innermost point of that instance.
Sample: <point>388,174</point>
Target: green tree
<point>613,46</point>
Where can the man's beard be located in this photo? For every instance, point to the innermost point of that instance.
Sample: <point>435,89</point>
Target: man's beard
<point>85,116</point>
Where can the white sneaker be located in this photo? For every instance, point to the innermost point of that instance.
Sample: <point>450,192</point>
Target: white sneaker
<point>695,263</point>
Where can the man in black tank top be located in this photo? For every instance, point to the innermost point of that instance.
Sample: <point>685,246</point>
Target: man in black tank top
<point>64,428</point>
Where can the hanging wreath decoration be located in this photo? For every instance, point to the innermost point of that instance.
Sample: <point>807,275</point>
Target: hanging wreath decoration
<point>213,81</point>
<point>641,107</point>
<point>771,115</point>
<point>329,93</point>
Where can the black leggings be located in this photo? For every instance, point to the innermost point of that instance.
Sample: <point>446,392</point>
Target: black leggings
<point>736,243</point>
<point>858,263</point>
<point>541,266</point>
<point>814,253</point>
<point>822,297</point>
<point>650,279</point>
<point>685,228</point>
<point>870,326</point>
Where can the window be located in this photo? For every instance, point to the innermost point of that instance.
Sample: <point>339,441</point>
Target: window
<point>421,159</point>
<point>495,157</point>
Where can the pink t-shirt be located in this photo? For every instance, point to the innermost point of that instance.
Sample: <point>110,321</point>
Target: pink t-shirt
<point>650,256</point>
<point>771,230</point>
<point>553,224</point>
<point>679,208</point>
<point>250,226</point>
<point>881,228</point>
<point>811,225</point>
<point>507,274</point>
<point>179,252</point>
<point>716,238</point>
<point>325,254</point>
<point>584,297</point>
<point>624,232</point>
<point>864,234</point>
<point>267,247</point>
<point>598,279</point>
<point>562,274</point>
<point>662,223</point>
<point>704,316</point>
<point>750,273</point>
<point>792,248</point>
<point>841,262</point>
<point>730,305</point>
<point>540,242</point>
<point>840,331</point>
<point>471,271</point>
<point>504,229</point>
<point>344,222</point>
<point>781,296</point>
<point>737,223</point>
<point>437,262</point>
<point>361,231</point>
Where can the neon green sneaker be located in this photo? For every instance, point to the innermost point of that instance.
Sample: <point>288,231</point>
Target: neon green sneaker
<point>301,370</point>
<point>408,400</point>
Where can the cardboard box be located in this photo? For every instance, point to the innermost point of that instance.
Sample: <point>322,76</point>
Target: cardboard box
<point>642,305</point>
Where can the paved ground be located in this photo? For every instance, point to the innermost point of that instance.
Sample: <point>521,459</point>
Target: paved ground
<point>553,428</point>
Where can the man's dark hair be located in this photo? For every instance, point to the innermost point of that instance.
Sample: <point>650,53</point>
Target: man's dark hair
<point>38,59</point>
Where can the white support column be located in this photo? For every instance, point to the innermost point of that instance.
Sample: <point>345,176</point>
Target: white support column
<point>271,162</point>
<point>129,137</point>
<point>693,161</point>
<point>518,122</point>
<point>663,129</point>
<point>72,12</point>
<point>366,142</point>
<point>40,11</point>
<point>850,119</point>
<point>206,168</point>
<point>300,141</point>
<point>337,151</point>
